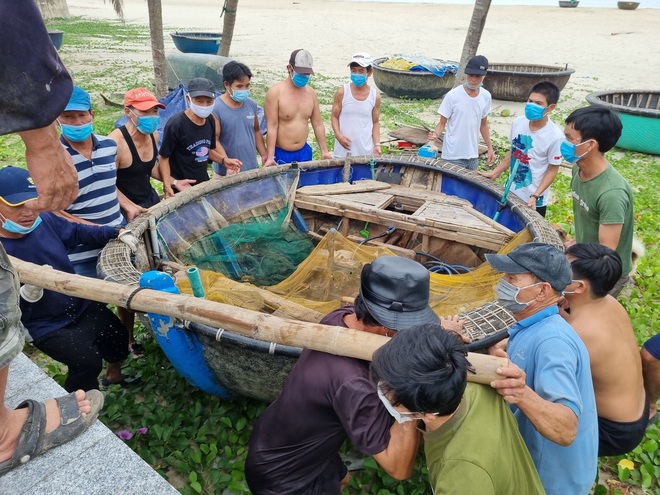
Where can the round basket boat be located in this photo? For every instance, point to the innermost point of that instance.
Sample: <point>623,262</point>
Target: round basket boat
<point>56,37</point>
<point>627,5</point>
<point>411,84</point>
<point>639,111</point>
<point>512,82</point>
<point>424,197</point>
<point>197,42</point>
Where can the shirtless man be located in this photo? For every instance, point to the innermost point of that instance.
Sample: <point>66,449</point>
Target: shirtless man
<point>605,328</point>
<point>290,105</point>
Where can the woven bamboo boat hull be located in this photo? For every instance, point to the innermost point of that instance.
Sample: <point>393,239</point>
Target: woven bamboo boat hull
<point>512,82</point>
<point>225,363</point>
<point>639,111</point>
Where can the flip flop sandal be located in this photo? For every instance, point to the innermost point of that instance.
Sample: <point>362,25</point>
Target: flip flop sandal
<point>34,440</point>
<point>137,350</point>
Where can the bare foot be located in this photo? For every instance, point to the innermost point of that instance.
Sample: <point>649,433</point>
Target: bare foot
<point>11,423</point>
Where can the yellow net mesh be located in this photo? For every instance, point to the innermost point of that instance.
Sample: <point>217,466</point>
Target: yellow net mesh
<point>332,272</point>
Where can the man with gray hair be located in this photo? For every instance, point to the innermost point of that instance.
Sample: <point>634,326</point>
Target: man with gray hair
<point>556,409</point>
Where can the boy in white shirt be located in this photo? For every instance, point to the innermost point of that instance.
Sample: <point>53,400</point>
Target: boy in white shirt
<point>356,112</point>
<point>535,144</point>
<point>464,111</point>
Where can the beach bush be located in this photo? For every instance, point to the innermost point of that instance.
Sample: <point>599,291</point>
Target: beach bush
<point>198,442</point>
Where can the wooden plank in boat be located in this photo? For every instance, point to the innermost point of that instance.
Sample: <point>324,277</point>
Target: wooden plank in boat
<point>375,199</point>
<point>342,188</point>
<point>492,240</point>
<point>462,218</point>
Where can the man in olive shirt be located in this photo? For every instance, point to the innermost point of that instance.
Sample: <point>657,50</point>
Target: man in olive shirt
<point>602,198</point>
<point>471,437</point>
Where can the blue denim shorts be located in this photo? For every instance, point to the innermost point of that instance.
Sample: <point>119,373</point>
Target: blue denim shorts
<point>11,328</point>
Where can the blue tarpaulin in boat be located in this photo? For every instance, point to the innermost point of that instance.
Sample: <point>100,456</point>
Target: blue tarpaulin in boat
<point>434,65</point>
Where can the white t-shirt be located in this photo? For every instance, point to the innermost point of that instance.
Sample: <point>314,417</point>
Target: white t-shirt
<point>356,121</point>
<point>464,115</point>
<point>536,151</point>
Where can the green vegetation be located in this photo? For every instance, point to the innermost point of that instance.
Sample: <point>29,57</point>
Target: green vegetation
<point>197,441</point>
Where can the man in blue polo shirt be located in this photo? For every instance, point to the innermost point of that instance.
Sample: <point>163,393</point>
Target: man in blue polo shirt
<point>556,409</point>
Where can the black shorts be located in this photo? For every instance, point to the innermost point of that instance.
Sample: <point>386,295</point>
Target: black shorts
<point>616,438</point>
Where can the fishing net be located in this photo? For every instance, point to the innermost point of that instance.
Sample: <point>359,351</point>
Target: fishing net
<point>263,251</point>
<point>331,273</point>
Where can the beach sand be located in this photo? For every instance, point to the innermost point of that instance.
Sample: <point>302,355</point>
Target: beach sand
<point>608,48</point>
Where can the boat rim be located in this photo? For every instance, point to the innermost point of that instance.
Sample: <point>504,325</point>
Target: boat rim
<point>595,99</point>
<point>563,72</point>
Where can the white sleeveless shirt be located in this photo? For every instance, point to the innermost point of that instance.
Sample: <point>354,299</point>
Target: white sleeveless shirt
<point>356,122</point>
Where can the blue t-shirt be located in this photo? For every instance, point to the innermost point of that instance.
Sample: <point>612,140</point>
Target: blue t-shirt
<point>48,245</point>
<point>557,366</point>
<point>237,133</point>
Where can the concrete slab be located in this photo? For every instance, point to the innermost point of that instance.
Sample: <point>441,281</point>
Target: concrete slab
<point>96,463</point>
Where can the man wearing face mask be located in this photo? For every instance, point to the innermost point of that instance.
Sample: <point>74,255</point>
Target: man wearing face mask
<point>190,140</point>
<point>356,112</point>
<point>290,106</point>
<point>605,328</point>
<point>535,143</point>
<point>556,409</point>
<point>471,439</point>
<point>294,448</point>
<point>602,198</point>
<point>464,112</point>
<point>238,119</point>
<point>94,158</point>
<point>137,152</point>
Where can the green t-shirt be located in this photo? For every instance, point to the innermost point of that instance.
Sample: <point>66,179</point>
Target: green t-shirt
<point>480,450</point>
<point>606,199</point>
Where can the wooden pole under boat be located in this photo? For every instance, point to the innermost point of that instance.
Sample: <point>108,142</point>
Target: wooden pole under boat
<point>333,340</point>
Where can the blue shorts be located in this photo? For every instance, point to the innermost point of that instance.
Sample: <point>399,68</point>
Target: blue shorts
<point>653,346</point>
<point>304,154</point>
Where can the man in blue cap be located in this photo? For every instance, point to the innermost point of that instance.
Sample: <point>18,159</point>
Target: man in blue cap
<point>79,333</point>
<point>327,399</point>
<point>556,409</point>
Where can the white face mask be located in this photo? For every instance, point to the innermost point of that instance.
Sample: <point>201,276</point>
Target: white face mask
<point>390,408</point>
<point>200,110</point>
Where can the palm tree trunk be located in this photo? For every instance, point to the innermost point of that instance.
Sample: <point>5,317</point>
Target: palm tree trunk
<point>473,37</point>
<point>53,8</point>
<point>229,11</point>
<point>157,45</point>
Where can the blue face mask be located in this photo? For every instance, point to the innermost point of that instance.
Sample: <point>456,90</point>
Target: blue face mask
<point>470,87</point>
<point>568,151</point>
<point>359,79</point>
<point>239,95</point>
<point>299,80</point>
<point>76,133</point>
<point>16,228</point>
<point>534,112</point>
<point>147,124</point>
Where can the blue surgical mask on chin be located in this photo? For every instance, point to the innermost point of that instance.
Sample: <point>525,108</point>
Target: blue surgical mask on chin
<point>16,228</point>
<point>470,87</point>
<point>147,124</point>
<point>299,80</point>
<point>568,151</point>
<point>507,296</point>
<point>359,79</point>
<point>534,112</point>
<point>76,133</point>
<point>239,95</point>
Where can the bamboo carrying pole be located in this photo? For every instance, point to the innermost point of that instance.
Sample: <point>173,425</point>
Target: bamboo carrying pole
<point>333,340</point>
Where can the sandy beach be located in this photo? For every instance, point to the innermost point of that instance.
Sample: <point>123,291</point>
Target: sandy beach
<point>609,48</point>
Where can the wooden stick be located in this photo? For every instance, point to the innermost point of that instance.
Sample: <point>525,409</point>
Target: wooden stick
<point>333,340</point>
